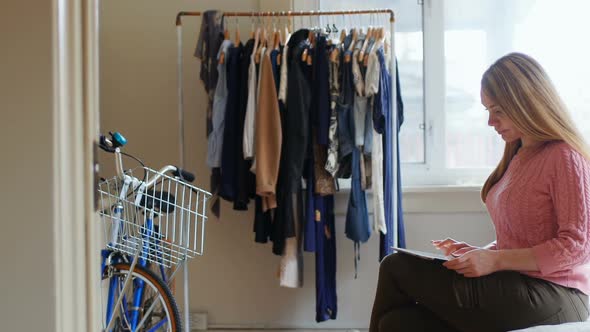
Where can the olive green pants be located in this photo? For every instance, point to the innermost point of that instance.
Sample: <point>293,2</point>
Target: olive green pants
<point>415,294</point>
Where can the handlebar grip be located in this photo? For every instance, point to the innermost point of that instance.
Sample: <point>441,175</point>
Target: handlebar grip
<point>184,175</point>
<point>104,145</point>
<point>109,145</point>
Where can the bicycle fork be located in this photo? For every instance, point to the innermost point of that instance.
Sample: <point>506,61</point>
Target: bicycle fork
<point>132,314</point>
<point>139,292</point>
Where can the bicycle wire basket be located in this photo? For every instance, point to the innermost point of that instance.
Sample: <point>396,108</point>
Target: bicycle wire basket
<point>164,224</point>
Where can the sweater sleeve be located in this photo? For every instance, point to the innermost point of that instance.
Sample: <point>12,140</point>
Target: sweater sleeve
<point>268,134</point>
<point>570,193</point>
<point>372,75</point>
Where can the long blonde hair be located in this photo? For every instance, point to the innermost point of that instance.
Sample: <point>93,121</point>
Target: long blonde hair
<point>521,87</point>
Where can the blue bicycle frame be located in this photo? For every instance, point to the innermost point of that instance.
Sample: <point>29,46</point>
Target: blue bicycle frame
<point>132,314</point>
<point>149,222</point>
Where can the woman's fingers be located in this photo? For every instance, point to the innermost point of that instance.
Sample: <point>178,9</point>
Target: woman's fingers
<point>447,250</point>
<point>456,247</point>
<point>443,243</point>
<point>456,263</point>
<point>452,247</point>
<point>461,251</point>
<point>464,271</point>
<point>447,245</point>
<point>459,265</point>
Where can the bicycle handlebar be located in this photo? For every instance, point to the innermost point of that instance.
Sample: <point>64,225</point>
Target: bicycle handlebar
<point>117,140</point>
<point>184,175</point>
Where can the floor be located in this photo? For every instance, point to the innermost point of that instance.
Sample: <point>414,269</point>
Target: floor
<point>288,330</point>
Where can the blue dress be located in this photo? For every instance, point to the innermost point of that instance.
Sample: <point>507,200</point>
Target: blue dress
<point>383,122</point>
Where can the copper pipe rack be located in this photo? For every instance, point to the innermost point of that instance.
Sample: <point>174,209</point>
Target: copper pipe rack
<point>293,13</point>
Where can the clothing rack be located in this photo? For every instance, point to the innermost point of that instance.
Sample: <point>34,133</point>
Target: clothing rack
<point>292,14</point>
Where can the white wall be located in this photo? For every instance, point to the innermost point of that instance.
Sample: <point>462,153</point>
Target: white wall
<point>26,237</point>
<point>235,281</point>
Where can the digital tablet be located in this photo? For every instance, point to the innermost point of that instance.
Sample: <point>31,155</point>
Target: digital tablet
<point>422,254</point>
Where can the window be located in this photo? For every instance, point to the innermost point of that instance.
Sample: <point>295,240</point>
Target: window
<point>443,48</point>
<point>408,43</point>
<point>474,38</point>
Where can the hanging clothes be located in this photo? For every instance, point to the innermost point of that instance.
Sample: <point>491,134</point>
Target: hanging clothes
<point>386,240</point>
<point>210,39</point>
<point>378,222</point>
<point>252,125</point>
<point>372,81</point>
<point>263,221</point>
<point>298,107</point>
<point>284,71</point>
<point>215,141</point>
<point>357,216</point>
<point>319,222</point>
<point>324,182</point>
<point>401,231</point>
<point>288,130</point>
<point>248,138</point>
<point>268,135</point>
<point>325,263</point>
<point>215,138</point>
<point>291,264</point>
<point>363,135</point>
<point>320,238</point>
<point>208,44</point>
<point>230,150</point>
<point>360,100</point>
<point>245,180</point>
<point>344,113</point>
<point>322,76</point>
<point>276,70</point>
<point>296,125</point>
<point>332,165</point>
<point>367,153</point>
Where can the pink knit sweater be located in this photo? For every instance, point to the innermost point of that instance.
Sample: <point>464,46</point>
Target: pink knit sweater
<point>543,202</point>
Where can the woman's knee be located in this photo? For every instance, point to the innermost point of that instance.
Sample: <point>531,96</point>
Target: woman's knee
<point>394,259</point>
<point>395,262</point>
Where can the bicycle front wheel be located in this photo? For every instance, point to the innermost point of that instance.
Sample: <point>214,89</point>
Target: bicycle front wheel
<point>147,305</point>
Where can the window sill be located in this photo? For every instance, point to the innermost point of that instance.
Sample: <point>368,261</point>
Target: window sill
<point>441,189</point>
<point>442,199</point>
<point>429,199</point>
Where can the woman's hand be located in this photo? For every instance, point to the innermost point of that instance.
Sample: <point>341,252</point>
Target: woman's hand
<point>475,263</point>
<point>452,247</point>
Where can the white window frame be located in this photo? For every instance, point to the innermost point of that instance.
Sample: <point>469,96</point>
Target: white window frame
<point>433,172</point>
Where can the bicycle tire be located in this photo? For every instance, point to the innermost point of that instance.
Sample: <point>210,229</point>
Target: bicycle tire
<point>155,283</point>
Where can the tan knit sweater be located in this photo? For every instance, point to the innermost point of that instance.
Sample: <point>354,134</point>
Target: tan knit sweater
<point>268,136</point>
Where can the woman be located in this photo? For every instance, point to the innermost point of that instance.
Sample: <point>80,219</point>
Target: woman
<point>537,272</point>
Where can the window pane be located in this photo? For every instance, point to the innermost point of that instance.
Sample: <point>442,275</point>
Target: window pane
<point>475,37</point>
<point>408,46</point>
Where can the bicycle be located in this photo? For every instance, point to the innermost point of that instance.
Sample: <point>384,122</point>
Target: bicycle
<point>151,224</point>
